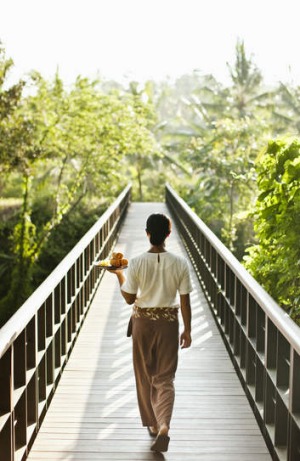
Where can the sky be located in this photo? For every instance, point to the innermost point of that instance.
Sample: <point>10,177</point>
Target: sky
<point>149,39</point>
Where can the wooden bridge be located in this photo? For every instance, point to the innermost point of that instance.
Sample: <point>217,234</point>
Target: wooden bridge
<point>67,389</point>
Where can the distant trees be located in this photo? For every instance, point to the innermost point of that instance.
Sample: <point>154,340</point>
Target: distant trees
<point>213,141</point>
<point>61,147</point>
<point>287,110</point>
<point>246,95</point>
<point>13,128</point>
<point>216,138</point>
<point>64,153</point>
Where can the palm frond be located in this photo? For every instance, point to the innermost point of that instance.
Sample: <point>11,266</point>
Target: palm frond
<point>283,117</point>
<point>174,161</point>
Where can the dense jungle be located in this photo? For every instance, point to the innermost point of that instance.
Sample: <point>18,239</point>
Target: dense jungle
<point>232,152</point>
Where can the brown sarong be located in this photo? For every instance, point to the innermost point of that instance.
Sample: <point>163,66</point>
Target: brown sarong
<point>155,336</point>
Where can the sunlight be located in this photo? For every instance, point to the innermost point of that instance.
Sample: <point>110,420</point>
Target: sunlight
<point>107,431</point>
<point>133,413</point>
<point>119,388</point>
<point>123,347</point>
<point>120,361</point>
<point>116,42</point>
<point>123,321</point>
<point>198,320</point>
<point>118,403</point>
<point>201,327</point>
<point>125,313</point>
<point>119,373</point>
<point>203,338</point>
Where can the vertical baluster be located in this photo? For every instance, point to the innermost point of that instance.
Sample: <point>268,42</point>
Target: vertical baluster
<point>19,380</point>
<point>6,400</point>
<point>294,404</point>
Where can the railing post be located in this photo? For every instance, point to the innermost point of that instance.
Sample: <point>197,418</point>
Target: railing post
<point>294,401</point>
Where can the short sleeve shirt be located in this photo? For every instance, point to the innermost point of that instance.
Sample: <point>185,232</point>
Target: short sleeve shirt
<point>157,279</point>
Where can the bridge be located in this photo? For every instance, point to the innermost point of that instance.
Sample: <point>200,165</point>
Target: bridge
<point>67,390</point>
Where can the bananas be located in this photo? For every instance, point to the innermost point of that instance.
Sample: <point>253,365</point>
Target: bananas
<point>103,263</point>
<point>116,260</point>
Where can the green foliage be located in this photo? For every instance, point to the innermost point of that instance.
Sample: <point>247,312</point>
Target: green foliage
<point>145,156</point>
<point>213,142</point>
<point>65,153</point>
<point>246,79</point>
<point>66,235</point>
<point>221,183</point>
<point>275,259</point>
<point>13,130</point>
<point>287,113</point>
<point>63,147</point>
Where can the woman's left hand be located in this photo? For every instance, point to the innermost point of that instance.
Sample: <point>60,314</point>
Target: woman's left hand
<point>185,339</point>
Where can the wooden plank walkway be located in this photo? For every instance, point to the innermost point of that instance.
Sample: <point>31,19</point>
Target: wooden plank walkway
<point>94,415</point>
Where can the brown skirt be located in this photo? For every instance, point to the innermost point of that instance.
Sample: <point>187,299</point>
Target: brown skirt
<point>155,339</point>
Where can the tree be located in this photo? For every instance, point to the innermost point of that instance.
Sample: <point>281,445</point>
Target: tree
<point>275,260</point>
<point>287,112</point>
<point>246,93</point>
<point>69,145</point>
<point>221,133</point>
<point>10,100</point>
<point>143,162</point>
<point>222,185</point>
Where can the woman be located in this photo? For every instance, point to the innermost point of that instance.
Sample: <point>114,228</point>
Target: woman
<point>153,281</point>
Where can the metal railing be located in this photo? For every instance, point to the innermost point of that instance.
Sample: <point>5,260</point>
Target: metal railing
<point>263,341</point>
<point>36,342</point>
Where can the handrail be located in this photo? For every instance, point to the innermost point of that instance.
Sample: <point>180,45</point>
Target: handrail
<point>16,323</point>
<point>283,322</point>
<point>263,341</point>
<point>36,342</point>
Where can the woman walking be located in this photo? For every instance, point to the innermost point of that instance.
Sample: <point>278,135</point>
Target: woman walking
<point>155,280</point>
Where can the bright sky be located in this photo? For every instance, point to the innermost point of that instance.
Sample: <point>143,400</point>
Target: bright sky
<point>144,39</point>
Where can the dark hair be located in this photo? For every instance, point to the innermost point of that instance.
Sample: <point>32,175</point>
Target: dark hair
<point>159,227</point>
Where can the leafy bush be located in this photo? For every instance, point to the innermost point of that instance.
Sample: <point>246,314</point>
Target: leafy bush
<point>64,238</point>
<point>275,260</point>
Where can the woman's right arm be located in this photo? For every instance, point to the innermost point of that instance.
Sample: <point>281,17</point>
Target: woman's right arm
<point>129,298</point>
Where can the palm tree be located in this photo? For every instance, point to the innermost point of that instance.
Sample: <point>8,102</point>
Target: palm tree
<point>246,93</point>
<point>287,112</point>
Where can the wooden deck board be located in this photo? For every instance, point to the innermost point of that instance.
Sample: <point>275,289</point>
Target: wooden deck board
<point>94,415</point>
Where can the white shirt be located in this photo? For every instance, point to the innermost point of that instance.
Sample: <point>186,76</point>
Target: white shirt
<point>157,278</point>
